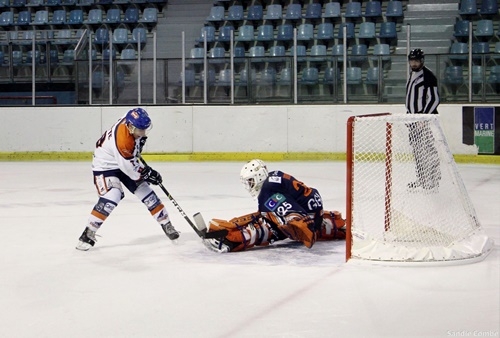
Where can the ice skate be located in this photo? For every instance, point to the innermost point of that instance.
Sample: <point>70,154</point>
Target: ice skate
<point>170,231</point>
<point>86,240</point>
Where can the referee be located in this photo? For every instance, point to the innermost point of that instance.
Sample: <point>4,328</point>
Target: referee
<point>422,97</point>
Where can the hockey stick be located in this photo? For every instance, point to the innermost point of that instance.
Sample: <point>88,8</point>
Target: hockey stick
<point>202,233</point>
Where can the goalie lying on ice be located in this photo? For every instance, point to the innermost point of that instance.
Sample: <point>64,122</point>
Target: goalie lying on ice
<point>287,209</point>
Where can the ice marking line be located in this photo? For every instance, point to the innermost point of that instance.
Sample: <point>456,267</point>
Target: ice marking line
<point>279,303</point>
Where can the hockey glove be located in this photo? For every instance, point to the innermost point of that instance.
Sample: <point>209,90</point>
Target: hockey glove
<point>151,176</point>
<point>142,142</point>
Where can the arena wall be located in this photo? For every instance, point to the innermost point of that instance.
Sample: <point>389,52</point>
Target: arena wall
<point>216,130</point>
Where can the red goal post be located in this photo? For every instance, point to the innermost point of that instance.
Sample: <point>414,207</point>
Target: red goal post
<point>405,199</point>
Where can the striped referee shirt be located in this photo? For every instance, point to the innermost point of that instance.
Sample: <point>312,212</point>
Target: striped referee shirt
<point>422,95</point>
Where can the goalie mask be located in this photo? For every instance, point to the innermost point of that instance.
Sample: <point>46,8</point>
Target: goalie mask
<point>138,122</point>
<point>253,175</point>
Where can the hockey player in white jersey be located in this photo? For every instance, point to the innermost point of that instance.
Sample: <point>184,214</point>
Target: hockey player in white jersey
<point>116,163</point>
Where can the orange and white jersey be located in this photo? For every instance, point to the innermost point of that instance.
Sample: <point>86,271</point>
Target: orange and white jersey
<point>118,149</point>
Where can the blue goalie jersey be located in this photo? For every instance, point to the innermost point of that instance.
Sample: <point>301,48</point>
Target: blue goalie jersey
<point>282,194</point>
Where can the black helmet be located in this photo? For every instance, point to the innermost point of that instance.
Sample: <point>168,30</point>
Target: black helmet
<point>416,54</point>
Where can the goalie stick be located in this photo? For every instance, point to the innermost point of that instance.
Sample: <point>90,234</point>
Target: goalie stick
<point>202,231</point>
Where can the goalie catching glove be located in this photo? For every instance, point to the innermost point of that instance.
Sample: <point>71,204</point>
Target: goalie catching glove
<point>254,229</point>
<point>150,175</point>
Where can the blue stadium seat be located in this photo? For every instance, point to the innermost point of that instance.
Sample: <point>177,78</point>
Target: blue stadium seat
<point>454,75</point>
<point>58,17</point>
<point>459,51</point>
<point>301,52</point>
<point>41,18</point>
<point>489,7</point>
<point>217,54</point>
<point>113,15</point>
<point>373,9</point>
<point>484,28</point>
<point>54,56</point>
<point>197,53</point>
<point>239,52</point>
<point>468,7</point>
<point>245,33</point>
<point>285,77</point>
<point>338,52</point>
<point>29,57</point>
<point>353,10</point>
<point>139,35</point>
<point>255,13</point>
<point>94,17</point>
<point>120,36</point>
<point>332,75</point>
<point>85,3</point>
<point>265,33</point>
<point>33,3</point>
<point>98,81</point>
<point>23,18</point>
<point>310,76</point>
<point>189,77</point>
<point>318,52</point>
<point>359,53</point>
<point>242,78</point>
<point>293,12</point>
<point>225,33</point>
<point>18,3</point>
<point>477,75</point>
<point>349,32</point>
<point>216,14</point>
<point>383,51</point>
<point>128,54</point>
<point>353,76</point>
<point>274,12</point>
<point>305,31</point>
<point>7,18</point>
<point>101,36</point>
<point>313,11</point>
<point>68,56</point>
<point>235,13</point>
<point>106,53</point>
<point>366,30</point>
<point>256,51</point>
<point>267,76</point>
<point>210,78</point>
<point>17,57</point>
<point>462,29</point>
<point>53,3</point>
<point>75,17</point>
<point>224,77</point>
<point>149,15</point>
<point>494,76</point>
<point>388,30</point>
<point>208,32</point>
<point>324,31</point>
<point>394,9</point>
<point>277,53</point>
<point>372,75</point>
<point>332,10</point>
<point>131,15</point>
<point>479,49</point>
<point>285,32</point>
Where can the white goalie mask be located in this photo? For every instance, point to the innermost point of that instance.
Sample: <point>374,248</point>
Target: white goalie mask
<point>253,175</point>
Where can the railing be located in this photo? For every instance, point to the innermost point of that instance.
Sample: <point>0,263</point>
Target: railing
<point>286,79</point>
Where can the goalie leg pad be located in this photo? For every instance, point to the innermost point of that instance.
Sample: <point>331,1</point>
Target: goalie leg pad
<point>243,232</point>
<point>300,228</point>
<point>333,226</point>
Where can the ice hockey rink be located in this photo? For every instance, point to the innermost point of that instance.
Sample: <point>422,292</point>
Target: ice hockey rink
<point>137,283</point>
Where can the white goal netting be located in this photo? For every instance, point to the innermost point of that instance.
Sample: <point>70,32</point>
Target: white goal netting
<point>406,199</point>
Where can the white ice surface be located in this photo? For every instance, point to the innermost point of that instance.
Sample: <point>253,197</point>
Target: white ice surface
<point>137,283</point>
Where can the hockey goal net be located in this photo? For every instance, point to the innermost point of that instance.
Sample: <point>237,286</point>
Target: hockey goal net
<point>406,201</point>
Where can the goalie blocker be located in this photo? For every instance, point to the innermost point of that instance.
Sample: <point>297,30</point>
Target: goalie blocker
<point>257,229</point>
